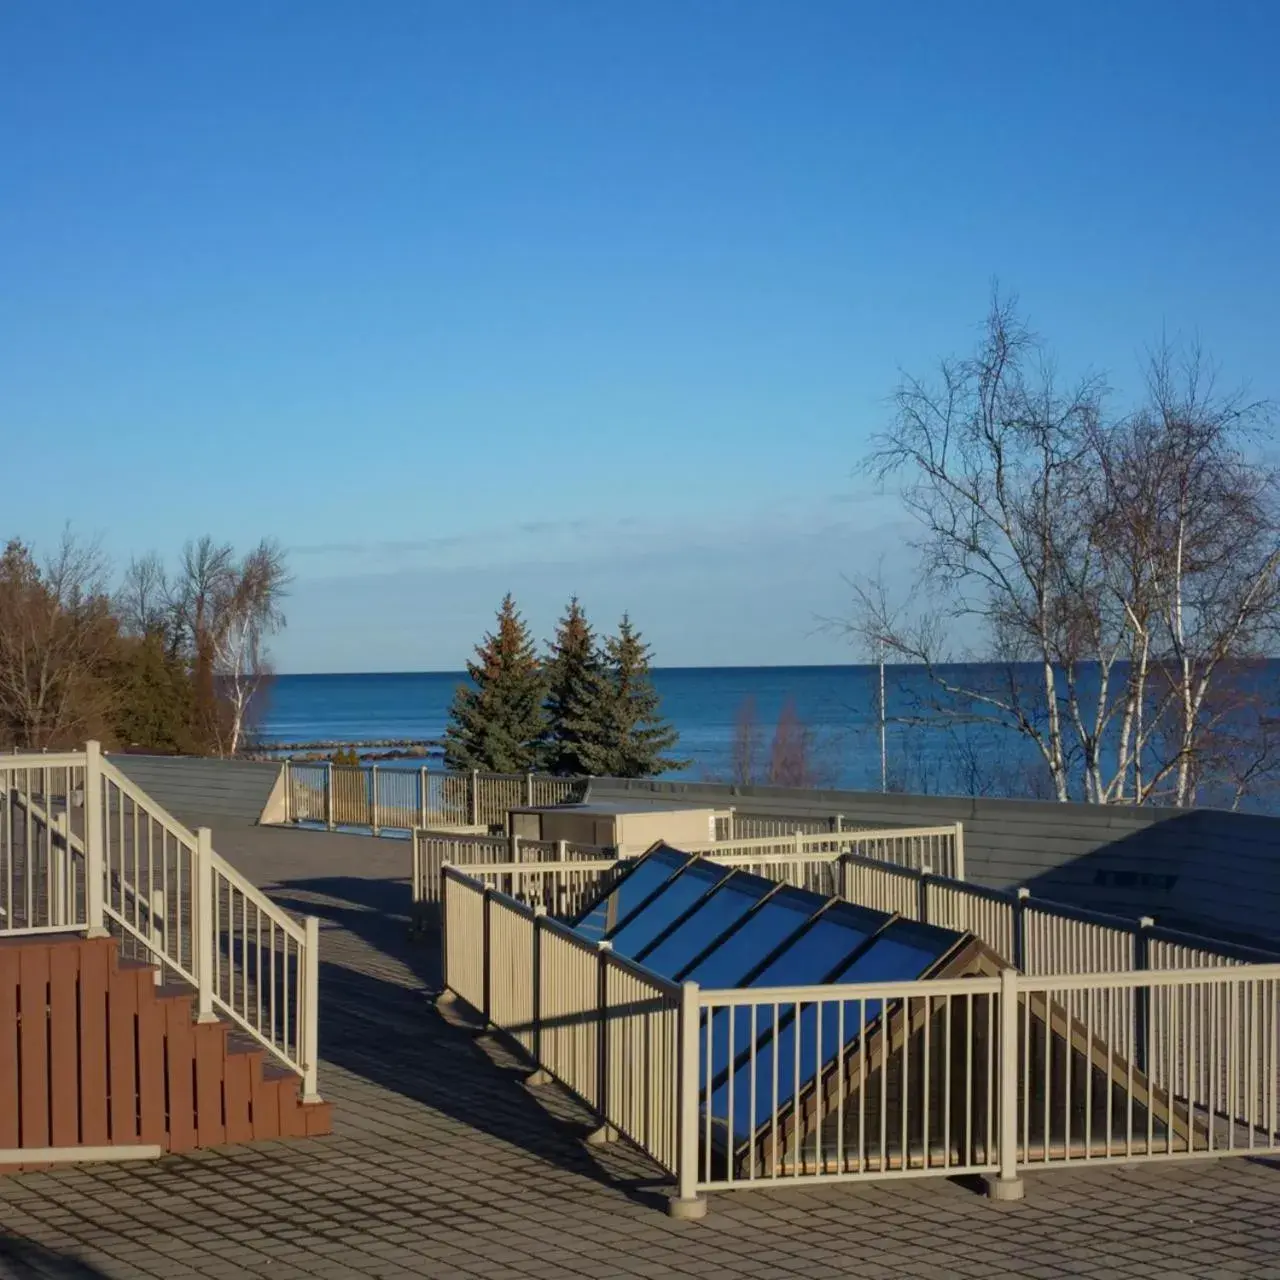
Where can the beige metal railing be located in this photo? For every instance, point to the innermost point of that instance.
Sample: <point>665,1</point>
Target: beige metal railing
<point>563,889</point>
<point>938,849</point>
<point>128,867</point>
<point>1036,936</point>
<point>1192,1058</point>
<point>42,885</point>
<point>832,1083</point>
<point>601,1025</point>
<point>983,1074</point>
<point>432,850</point>
<point>390,799</point>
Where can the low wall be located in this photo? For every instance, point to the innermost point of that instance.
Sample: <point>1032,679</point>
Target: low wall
<point>1194,869</point>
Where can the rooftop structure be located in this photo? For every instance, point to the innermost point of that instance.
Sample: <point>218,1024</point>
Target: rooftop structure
<point>442,1165</point>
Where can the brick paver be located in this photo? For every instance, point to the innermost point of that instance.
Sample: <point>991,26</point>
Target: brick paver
<point>443,1165</point>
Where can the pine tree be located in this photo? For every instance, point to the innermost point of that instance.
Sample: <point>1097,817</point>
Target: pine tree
<point>636,735</point>
<point>497,722</point>
<point>578,696</point>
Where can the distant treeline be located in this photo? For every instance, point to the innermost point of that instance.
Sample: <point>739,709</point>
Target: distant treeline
<point>172,662</point>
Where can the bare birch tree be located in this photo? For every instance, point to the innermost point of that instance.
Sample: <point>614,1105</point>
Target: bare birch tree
<point>248,613</point>
<point>226,608</point>
<point>1131,564</point>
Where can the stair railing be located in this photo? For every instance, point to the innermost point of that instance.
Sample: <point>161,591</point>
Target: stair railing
<point>108,859</point>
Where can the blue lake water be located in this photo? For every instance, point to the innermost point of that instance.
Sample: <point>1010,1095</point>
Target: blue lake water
<point>837,703</point>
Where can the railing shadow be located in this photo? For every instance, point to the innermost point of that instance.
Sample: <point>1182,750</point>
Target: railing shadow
<point>377,1027</point>
<point>21,1258</point>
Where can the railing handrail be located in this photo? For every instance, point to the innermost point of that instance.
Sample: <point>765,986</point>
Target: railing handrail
<point>41,759</point>
<point>474,870</point>
<point>852,991</point>
<point>1148,978</point>
<point>460,837</point>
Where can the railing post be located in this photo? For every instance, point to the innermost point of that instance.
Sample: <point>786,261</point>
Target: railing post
<point>1007,1185</point>
<point>95,851</point>
<point>1019,956</point>
<point>60,899</point>
<point>474,798</point>
<point>487,938</point>
<point>513,844</point>
<point>605,1132</point>
<point>1142,995</point>
<point>539,1076</point>
<point>203,924</point>
<point>686,1203</point>
<point>328,794</point>
<point>839,823</point>
<point>446,992</point>
<point>528,790</point>
<point>424,783</point>
<point>373,798</point>
<point>846,878</point>
<point>158,908</point>
<point>958,872</point>
<point>290,809</point>
<point>311,1011</point>
<point>922,896</point>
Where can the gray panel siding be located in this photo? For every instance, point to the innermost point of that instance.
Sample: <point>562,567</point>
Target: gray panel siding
<point>1203,868</point>
<point>202,792</point>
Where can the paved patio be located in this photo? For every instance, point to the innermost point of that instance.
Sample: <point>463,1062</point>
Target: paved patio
<point>443,1165</point>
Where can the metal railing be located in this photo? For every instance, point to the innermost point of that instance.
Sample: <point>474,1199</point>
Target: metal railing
<point>939,849</point>
<point>93,852</point>
<point>602,1026</point>
<point>988,1074</point>
<point>562,889</point>
<point>42,885</point>
<point>432,850</point>
<point>390,799</point>
<point>1036,936</point>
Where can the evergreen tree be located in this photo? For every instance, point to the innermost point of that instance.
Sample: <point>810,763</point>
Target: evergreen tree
<point>578,696</point>
<point>497,723</point>
<point>636,735</point>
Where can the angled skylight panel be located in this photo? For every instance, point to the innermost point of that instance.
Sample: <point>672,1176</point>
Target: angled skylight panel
<point>788,1061</point>
<point>663,909</point>
<point>734,956</point>
<point>708,924</point>
<point>633,889</point>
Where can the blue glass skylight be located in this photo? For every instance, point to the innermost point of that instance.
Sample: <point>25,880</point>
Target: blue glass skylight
<point>643,880</point>
<point>690,919</point>
<point>677,896</point>
<point>711,919</point>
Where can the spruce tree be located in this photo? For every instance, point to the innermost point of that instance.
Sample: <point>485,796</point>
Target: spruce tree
<point>497,722</point>
<point>578,696</point>
<point>636,735</point>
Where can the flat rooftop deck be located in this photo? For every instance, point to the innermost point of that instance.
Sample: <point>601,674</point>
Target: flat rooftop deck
<point>443,1165</point>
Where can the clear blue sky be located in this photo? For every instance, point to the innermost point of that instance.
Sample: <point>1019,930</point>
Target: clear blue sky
<point>557,297</point>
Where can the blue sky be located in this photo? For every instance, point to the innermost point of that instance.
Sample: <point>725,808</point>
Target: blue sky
<point>571,297</point>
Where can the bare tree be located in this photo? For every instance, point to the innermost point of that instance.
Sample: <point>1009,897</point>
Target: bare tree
<point>57,639</point>
<point>748,744</point>
<point>225,609</point>
<point>792,756</point>
<point>144,603</point>
<point>246,615</point>
<point>1132,565</point>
